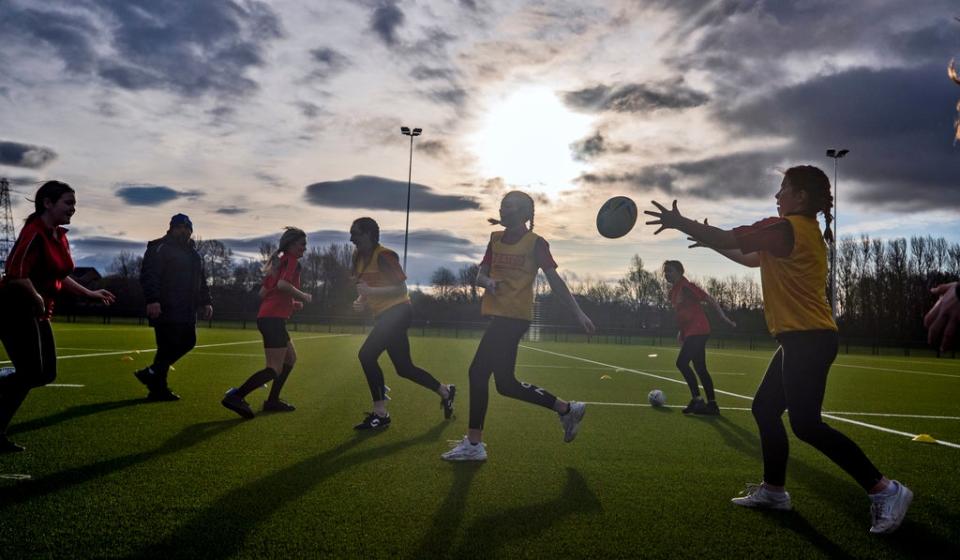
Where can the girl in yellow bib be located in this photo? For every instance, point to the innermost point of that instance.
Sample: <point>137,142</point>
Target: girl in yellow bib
<point>507,275</point>
<point>382,288</point>
<point>792,257</point>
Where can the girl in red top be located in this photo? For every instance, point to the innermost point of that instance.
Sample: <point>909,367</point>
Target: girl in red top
<point>281,296</point>
<point>686,298</point>
<point>37,269</point>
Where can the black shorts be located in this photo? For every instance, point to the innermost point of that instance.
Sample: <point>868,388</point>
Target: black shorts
<point>274,331</point>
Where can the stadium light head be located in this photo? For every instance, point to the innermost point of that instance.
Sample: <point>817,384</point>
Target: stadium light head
<point>837,154</point>
<point>417,131</point>
<point>842,153</point>
<point>831,153</point>
<point>405,130</point>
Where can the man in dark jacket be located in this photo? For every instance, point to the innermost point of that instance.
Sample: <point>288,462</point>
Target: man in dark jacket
<point>175,289</point>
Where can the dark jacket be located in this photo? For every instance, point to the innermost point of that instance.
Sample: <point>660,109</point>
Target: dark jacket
<point>172,275</point>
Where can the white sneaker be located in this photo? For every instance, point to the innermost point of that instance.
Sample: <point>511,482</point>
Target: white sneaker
<point>571,420</point>
<point>757,496</point>
<point>887,512</point>
<point>466,451</point>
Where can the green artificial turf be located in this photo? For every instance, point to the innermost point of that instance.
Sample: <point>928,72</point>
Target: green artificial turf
<point>111,475</point>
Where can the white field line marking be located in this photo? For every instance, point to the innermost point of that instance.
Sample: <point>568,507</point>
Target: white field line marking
<point>258,341</point>
<point>858,356</point>
<point>64,385</point>
<point>89,349</point>
<point>744,409</point>
<point>16,476</point>
<point>537,366</point>
<point>228,354</point>
<point>845,365</point>
<point>838,418</point>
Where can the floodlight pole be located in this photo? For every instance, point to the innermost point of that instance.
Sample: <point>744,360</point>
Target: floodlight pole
<point>836,155</point>
<point>406,231</point>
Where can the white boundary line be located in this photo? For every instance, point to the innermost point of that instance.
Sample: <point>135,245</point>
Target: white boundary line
<point>63,385</point>
<point>844,365</point>
<point>744,409</point>
<point>143,350</point>
<point>831,416</point>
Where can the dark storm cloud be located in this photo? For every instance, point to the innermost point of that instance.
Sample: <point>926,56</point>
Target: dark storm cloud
<point>455,96</point>
<point>329,62</point>
<point>744,174</point>
<point>897,122</point>
<point>433,148</point>
<point>152,195</point>
<point>385,20</point>
<point>190,48</point>
<point>636,98</point>
<point>595,146</point>
<point>16,154</point>
<point>421,72</point>
<point>378,193</point>
<point>232,210</point>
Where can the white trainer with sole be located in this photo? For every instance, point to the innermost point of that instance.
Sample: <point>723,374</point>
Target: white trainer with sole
<point>466,451</point>
<point>757,496</point>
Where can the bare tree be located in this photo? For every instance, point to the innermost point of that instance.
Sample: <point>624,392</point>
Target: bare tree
<point>127,265</point>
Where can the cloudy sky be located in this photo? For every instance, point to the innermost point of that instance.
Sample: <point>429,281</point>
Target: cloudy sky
<point>250,116</point>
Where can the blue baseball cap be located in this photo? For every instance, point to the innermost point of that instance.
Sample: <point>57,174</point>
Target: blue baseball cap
<point>181,220</point>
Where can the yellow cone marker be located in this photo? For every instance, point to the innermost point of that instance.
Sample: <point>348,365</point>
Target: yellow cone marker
<point>127,358</point>
<point>173,368</point>
<point>605,376</point>
<point>924,438</point>
<point>651,355</point>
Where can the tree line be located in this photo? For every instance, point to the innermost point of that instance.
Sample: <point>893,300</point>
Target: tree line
<point>883,289</point>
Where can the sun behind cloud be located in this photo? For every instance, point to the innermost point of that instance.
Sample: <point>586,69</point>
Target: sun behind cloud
<point>525,137</point>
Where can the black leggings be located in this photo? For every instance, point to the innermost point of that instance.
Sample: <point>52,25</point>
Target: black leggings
<point>497,355</point>
<point>390,333</point>
<point>795,381</point>
<point>694,349</point>
<point>30,345</point>
<point>174,340</point>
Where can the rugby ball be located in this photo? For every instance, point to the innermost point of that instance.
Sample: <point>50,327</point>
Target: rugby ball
<point>616,217</point>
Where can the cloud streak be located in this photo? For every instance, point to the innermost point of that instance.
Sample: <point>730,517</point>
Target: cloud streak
<point>378,193</point>
<point>16,154</point>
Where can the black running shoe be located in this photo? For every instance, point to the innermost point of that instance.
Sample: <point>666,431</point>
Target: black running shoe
<point>710,409</point>
<point>145,376</point>
<point>447,403</point>
<point>235,402</point>
<point>696,406</point>
<point>373,422</point>
<point>277,405</point>
<point>162,395</point>
<point>7,446</point>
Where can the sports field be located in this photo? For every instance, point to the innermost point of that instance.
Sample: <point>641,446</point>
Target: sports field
<point>107,474</point>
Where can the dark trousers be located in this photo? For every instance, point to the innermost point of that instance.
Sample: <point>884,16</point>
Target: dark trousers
<point>694,349</point>
<point>497,355</point>
<point>795,381</point>
<point>30,345</point>
<point>174,340</point>
<point>390,333</point>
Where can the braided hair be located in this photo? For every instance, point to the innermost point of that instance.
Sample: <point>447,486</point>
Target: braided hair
<point>813,181</point>
<point>526,199</point>
<point>290,236</point>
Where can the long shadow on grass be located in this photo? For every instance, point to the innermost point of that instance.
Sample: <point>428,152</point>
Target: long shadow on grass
<point>843,495</point>
<point>71,413</point>
<point>496,531</point>
<point>447,519</point>
<point>191,435</point>
<point>220,530</point>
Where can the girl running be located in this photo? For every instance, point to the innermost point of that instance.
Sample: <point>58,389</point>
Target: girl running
<point>280,297</point>
<point>39,266</point>
<point>381,287</point>
<point>507,274</point>
<point>685,296</point>
<point>791,255</point>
